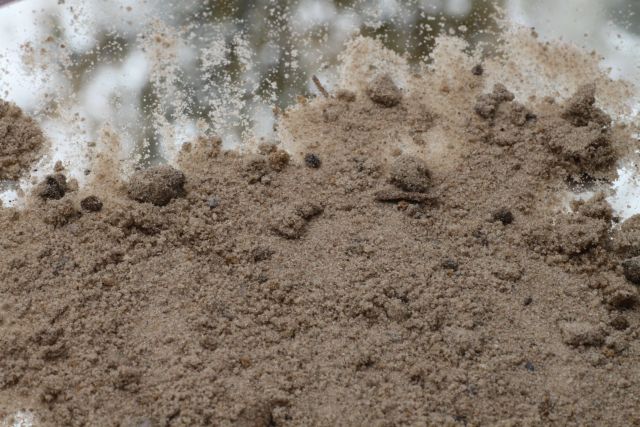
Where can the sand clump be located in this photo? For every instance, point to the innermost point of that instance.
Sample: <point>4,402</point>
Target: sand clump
<point>278,159</point>
<point>582,333</point>
<point>631,268</point>
<point>580,109</point>
<point>410,174</point>
<point>487,104</point>
<point>424,274</point>
<point>53,187</point>
<point>157,185</point>
<point>91,204</point>
<point>383,91</point>
<point>21,141</point>
<point>291,223</point>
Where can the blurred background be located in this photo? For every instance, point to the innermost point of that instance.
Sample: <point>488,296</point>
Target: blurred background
<point>154,74</point>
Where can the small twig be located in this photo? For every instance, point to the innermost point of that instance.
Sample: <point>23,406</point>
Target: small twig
<point>321,88</point>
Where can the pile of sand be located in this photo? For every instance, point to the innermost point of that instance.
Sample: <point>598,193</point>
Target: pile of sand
<point>21,141</point>
<point>399,258</point>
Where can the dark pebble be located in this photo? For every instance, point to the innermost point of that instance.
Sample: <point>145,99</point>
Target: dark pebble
<point>312,161</point>
<point>527,301</point>
<point>91,204</point>
<point>53,187</point>
<point>213,202</point>
<point>477,70</point>
<point>450,264</point>
<point>503,215</point>
<point>261,253</point>
<point>623,299</point>
<point>620,323</point>
<point>460,419</point>
<point>631,269</point>
<point>529,366</point>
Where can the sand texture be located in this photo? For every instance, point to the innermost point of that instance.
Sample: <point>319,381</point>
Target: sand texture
<point>400,257</point>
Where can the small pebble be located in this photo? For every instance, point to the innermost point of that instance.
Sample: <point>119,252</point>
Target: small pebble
<point>213,202</point>
<point>261,253</point>
<point>503,215</point>
<point>312,161</point>
<point>91,204</point>
<point>620,323</point>
<point>623,298</point>
<point>631,269</point>
<point>477,70</point>
<point>529,366</point>
<point>460,419</point>
<point>450,264</point>
<point>53,187</point>
<point>527,301</point>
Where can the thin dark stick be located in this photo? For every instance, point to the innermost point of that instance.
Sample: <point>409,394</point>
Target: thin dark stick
<point>321,88</point>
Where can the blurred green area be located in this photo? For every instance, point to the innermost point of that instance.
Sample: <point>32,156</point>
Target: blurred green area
<point>411,30</point>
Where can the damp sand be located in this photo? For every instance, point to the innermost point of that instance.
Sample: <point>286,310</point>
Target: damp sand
<point>399,256</point>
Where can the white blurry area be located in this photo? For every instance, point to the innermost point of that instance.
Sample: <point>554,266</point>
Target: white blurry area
<point>603,26</point>
<point>38,39</point>
<point>606,27</point>
<point>19,419</point>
